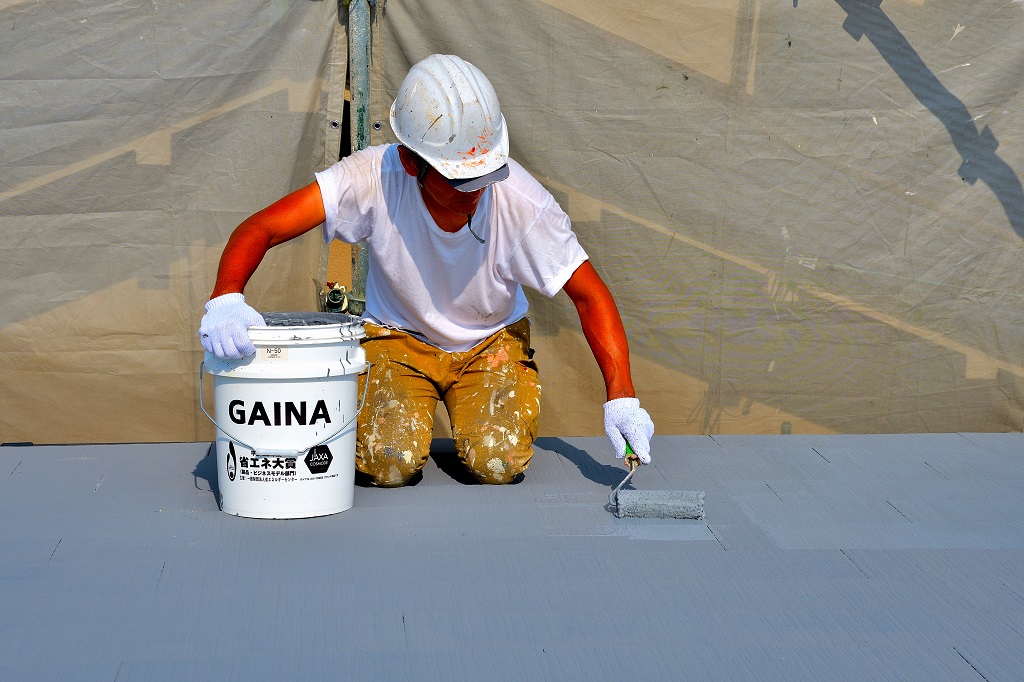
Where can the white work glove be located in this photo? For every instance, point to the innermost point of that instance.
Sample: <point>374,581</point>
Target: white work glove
<point>625,420</point>
<point>224,330</point>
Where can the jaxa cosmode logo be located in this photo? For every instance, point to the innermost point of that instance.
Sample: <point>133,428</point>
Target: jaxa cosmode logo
<point>232,465</point>
<point>318,459</point>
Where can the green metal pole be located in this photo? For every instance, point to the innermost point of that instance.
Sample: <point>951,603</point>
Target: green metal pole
<point>359,111</point>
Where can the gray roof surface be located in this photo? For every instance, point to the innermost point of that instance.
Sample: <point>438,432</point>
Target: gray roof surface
<point>854,557</point>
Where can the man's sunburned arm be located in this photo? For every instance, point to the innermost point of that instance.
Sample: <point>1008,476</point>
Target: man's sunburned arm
<point>603,329</point>
<point>286,219</point>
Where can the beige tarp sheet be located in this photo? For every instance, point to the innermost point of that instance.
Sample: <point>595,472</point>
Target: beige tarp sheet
<point>810,212</point>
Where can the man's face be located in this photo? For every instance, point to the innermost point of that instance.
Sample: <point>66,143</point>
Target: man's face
<point>447,196</point>
<point>436,189</point>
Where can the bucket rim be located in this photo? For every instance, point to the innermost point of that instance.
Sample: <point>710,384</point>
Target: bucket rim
<point>298,335</point>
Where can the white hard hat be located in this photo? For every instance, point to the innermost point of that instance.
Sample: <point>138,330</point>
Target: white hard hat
<point>447,113</point>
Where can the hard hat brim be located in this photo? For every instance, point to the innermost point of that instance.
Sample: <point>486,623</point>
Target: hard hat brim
<point>479,182</point>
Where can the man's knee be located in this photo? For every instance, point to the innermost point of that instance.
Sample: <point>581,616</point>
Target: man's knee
<point>497,463</point>
<point>387,467</point>
<point>394,427</point>
<point>392,478</point>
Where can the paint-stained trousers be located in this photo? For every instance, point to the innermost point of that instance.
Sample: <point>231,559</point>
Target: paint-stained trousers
<point>492,393</point>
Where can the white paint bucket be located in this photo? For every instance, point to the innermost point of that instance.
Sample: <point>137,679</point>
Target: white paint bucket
<point>286,417</point>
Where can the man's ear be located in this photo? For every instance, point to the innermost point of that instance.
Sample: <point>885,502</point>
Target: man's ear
<point>408,161</point>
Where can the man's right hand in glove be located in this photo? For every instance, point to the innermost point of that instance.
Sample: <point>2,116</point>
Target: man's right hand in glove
<point>224,330</point>
<point>628,424</point>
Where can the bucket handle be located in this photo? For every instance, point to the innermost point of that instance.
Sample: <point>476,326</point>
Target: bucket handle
<point>296,453</point>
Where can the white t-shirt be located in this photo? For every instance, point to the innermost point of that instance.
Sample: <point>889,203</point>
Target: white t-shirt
<point>447,286</point>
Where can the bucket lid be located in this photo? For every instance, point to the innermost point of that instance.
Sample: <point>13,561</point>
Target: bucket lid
<point>327,345</point>
<point>305,319</point>
<point>299,328</point>
<point>323,344</point>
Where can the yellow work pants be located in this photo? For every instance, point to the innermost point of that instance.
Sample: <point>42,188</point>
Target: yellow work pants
<point>492,393</point>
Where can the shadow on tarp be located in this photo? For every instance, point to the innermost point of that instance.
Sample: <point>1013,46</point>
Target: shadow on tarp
<point>602,474</point>
<point>978,149</point>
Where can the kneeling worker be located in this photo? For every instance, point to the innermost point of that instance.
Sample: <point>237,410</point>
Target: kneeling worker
<point>455,230</point>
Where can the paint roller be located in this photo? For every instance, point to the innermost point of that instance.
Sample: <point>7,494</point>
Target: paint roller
<point>653,504</point>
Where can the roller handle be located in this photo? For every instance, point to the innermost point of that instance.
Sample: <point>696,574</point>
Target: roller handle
<point>632,460</point>
<point>634,463</point>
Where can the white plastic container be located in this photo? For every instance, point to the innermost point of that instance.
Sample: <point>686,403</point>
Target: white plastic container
<point>286,417</point>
